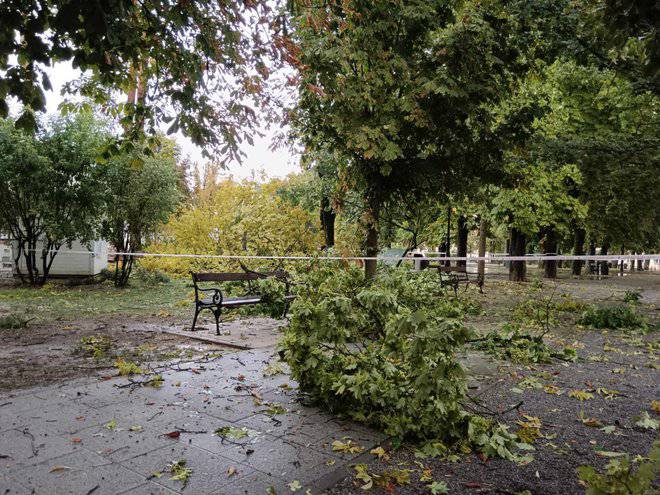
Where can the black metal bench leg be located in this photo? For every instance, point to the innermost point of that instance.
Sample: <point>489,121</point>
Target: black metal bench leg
<point>197,310</point>
<point>217,312</point>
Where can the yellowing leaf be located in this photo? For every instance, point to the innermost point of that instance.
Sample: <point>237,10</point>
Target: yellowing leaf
<point>295,485</point>
<point>380,453</point>
<point>346,447</point>
<point>580,395</point>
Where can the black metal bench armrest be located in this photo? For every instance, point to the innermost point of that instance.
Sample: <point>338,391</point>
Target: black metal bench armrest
<point>217,296</point>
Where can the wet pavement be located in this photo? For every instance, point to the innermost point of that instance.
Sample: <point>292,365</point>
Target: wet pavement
<point>236,422</point>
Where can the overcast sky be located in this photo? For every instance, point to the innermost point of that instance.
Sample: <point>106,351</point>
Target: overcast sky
<point>258,158</point>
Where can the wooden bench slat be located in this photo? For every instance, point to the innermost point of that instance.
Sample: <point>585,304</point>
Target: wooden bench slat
<point>232,277</point>
<point>240,301</point>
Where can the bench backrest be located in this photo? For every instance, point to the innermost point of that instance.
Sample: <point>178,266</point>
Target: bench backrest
<point>450,269</point>
<point>234,277</point>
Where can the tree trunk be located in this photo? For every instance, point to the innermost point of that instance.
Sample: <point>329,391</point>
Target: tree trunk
<point>518,269</point>
<point>605,265</point>
<point>621,261</point>
<point>370,266</point>
<point>328,222</point>
<point>481,264</point>
<point>640,264</point>
<point>550,247</point>
<point>461,239</point>
<point>592,252</point>
<point>448,239</point>
<point>578,250</point>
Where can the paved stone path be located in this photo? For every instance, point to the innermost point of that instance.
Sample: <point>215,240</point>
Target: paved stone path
<point>110,436</point>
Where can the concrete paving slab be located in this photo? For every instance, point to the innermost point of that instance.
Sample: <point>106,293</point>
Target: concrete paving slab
<point>121,429</point>
<point>209,471</point>
<point>78,473</point>
<point>244,333</point>
<point>149,488</point>
<point>31,445</point>
<point>256,483</point>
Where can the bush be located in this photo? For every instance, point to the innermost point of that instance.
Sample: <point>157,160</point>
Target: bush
<point>612,317</point>
<point>632,296</point>
<point>14,321</point>
<point>621,477</point>
<point>151,277</point>
<point>382,353</point>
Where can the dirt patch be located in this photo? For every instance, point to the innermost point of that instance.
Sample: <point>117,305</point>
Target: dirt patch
<point>64,350</point>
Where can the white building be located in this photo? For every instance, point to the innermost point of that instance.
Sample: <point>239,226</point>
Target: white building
<point>77,260</point>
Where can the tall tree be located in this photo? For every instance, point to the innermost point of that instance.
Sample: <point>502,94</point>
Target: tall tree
<point>51,188</point>
<point>142,192</point>
<point>397,90</point>
<point>196,65</point>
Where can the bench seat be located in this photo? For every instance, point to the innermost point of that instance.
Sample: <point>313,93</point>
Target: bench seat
<point>212,298</point>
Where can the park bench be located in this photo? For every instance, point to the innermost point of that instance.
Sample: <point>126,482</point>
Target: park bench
<point>212,299</point>
<point>452,276</point>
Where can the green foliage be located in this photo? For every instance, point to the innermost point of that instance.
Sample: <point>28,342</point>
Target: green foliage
<point>51,188</point>
<point>493,440</point>
<point>126,368</point>
<point>622,316</point>
<point>378,353</point>
<point>96,346</point>
<point>134,212</point>
<point>520,347</point>
<point>632,296</point>
<point>541,312</point>
<point>14,321</point>
<point>231,217</point>
<point>383,352</point>
<point>174,59</point>
<point>273,292</point>
<point>624,476</point>
<point>179,471</point>
<point>151,277</point>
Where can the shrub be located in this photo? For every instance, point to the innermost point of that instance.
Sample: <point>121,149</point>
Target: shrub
<point>621,477</point>
<point>383,353</point>
<point>151,277</point>
<point>14,321</point>
<point>632,296</point>
<point>612,317</point>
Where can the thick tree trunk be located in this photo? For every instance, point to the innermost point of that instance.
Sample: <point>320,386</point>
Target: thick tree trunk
<point>481,264</point>
<point>550,247</point>
<point>578,250</point>
<point>328,222</point>
<point>640,264</point>
<point>518,269</point>
<point>461,239</point>
<point>605,265</point>
<point>621,262</point>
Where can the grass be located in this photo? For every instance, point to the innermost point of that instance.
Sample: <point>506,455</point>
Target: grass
<point>57,301</point>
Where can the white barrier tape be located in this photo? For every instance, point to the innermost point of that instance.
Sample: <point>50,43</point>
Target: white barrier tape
<point>529,257</point>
